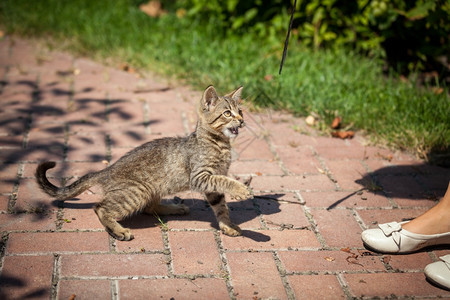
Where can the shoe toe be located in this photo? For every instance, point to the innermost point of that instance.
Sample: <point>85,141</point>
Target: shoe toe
<point>378,241</point>
<point>439,273</point>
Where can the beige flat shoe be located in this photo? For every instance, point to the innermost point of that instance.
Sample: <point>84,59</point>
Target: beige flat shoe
<point>392,238</point>
<point>439,272</point>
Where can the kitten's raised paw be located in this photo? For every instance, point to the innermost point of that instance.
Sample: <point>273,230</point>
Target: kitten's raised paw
<point>242,193</point>
<point>231,230</point>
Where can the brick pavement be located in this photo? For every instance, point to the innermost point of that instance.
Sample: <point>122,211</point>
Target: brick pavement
<point>301,238</point>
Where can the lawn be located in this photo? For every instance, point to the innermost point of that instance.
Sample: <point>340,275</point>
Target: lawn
<point>397,113</point>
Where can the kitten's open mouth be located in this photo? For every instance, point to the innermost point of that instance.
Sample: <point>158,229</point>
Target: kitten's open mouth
<point>234,130</point>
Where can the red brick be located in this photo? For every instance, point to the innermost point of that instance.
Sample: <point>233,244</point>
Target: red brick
<point>194,253</point>
<point>292,183</point>
<point>392,284</point>
<point>255,168</point>
<point>347,173</point>
<point>255,275</point>
<point>147,234</point>
<point>130,137</point>
<point>171,288</point>
<point>299,159</point>
<point>122,111</point>
<point>285,211</point>
<point>164,126</point>
<point>329,261</point>
<point>404,190</point>
<point>11,141</point>
<point>26,277</point>
<point>45,242</point>
<point>316,287</point>
<point>67,169</point>
<point>332,199</point>
<point>196,219</point>
<point>28,221</point>
<point>87,148</point>
<point>381,216</point>
<point>79,214</point>
<point>249,147</point>
<point>342,149</point>
<point>84,289</point>
<point>4,200</point>
<point>113,265</point>
<point>30,198</point>
<point>246,219</point>
<point>8,176</point>
<point>272,240</point>
<point>338,227</point>
<point>283,134</point>
<point>53,153</point>
<point>413,261</point>
<point>41,135</point>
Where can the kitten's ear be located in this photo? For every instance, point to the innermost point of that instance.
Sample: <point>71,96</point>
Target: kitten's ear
<point>209,98</point>
<point>236,95</point>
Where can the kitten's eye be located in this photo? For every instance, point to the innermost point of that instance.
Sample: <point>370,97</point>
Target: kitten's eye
<point>227,113</point>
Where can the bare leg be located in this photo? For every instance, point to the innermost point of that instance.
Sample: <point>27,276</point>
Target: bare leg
<point>433,221</point>
<point>220,208</point>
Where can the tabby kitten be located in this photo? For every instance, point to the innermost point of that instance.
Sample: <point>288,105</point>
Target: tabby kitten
<point>139,179</point>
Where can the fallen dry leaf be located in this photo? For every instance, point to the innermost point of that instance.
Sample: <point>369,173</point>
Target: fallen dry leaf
<point>268,77</point>
<point>346,250</point>
<point>127,68</point>
<point>329,258</point>
<point>152,8</point>
<point>343,134</point>
<point>258,174</point>
<point>438,91</point>
<point>72,297</point>
<point>336,123</point>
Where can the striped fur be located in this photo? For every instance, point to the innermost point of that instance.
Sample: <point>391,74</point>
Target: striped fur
<point>139,179</point>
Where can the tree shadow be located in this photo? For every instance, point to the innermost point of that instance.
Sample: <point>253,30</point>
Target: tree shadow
<point>8,282</point>
<point>29,100</point>
<point>413,182</point>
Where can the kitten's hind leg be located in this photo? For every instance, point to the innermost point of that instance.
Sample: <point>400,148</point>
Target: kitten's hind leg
<point>108,213</point>
<point>166,209</point>
<point>220,208</point>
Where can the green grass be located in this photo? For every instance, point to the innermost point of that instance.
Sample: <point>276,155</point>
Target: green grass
<point>325,82</point>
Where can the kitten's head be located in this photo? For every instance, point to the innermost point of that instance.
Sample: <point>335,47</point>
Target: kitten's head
<point>222,114</point>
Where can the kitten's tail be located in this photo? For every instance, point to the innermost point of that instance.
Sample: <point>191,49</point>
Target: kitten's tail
<point>63,193</point>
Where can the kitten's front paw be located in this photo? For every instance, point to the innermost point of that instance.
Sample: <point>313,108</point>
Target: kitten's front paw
<point>242,193</point>
<point>231,229</point>
<point>123,235</point>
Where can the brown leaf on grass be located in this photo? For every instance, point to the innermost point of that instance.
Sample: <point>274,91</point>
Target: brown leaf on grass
<point>343,134</point>
<point>438,91</point>
<point>152,8</point>
<point>336,123</point>
<point>268,77</point>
